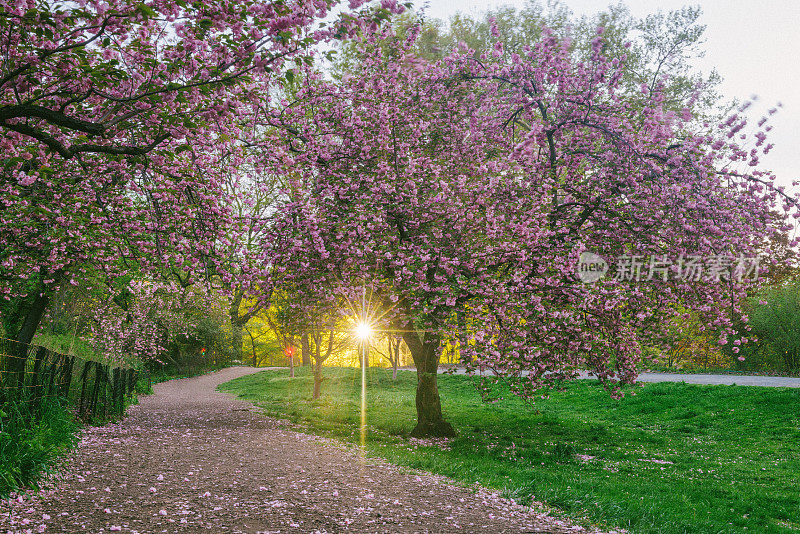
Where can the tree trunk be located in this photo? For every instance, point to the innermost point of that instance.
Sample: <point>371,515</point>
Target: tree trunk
<point>237,337</point>
<point>395,357</point>
<point>425,353</point>
<point>317,379</point>
<point>253,347</point>
<point>462,338</point>
<point>306,348</point>
<point>238,322</point>
<point>33,318</point>
<point>429,409</point>
<point>23,338</point>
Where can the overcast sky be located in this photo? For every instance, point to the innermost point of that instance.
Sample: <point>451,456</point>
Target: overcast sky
<point>755,46</point>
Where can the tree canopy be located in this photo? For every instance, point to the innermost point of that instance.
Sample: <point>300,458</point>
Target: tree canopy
<point>467,187</point>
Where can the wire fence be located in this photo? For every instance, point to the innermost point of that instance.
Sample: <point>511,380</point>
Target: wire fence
<point>32,373</point>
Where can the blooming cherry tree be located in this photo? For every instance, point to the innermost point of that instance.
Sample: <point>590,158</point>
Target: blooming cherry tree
<point>461,192</point>
<point>153,314</point>
<point>117,122</point>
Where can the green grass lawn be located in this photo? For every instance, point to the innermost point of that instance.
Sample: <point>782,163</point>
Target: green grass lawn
<point>672,457</point>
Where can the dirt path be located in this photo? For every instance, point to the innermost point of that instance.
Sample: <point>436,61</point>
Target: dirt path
<point>191,459</point>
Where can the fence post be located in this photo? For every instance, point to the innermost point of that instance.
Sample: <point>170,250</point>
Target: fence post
<point>52,372</point>
<point>102,391</point>
<point>84,373</point>
<point>106,379</point>
<point>35,390</point>
<point>17,360</point>
<point>95,390</point>
<point>37,365</point>
<point>66,377</point>
<point>123,375</point>
<point>128,376</point>
<point>116,405</point>
<point>134,379</point>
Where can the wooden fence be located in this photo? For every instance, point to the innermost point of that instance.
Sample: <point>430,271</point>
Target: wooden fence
<point>31,373</point>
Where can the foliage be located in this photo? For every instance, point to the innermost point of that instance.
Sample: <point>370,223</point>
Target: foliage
<point>206,340</point>
<point>687,345</point>
<point>151,316</point>
<point>261,347</point>
<point>774,319</point>
<point>672,458</point>
<point>658,49</point>
<point>29,445</point>
<point>140,321</point>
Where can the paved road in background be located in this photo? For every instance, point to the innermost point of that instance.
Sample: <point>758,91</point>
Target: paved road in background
<point>714,380</point>
<point>724,380</point>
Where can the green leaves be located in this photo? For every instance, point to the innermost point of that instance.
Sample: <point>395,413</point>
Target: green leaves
<point>145,11</point>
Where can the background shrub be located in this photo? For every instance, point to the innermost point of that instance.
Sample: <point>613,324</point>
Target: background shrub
<point>774,318</point>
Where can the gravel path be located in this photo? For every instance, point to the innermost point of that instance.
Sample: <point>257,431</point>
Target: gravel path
<point>191,459</point>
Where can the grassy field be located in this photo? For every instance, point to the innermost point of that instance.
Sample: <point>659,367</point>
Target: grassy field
<point>670,457</point>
